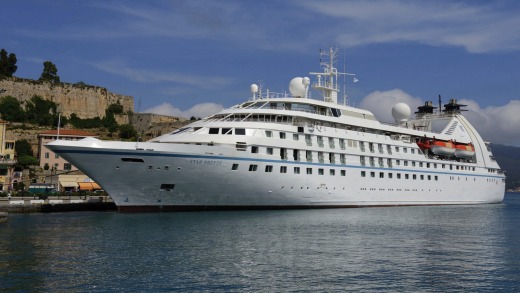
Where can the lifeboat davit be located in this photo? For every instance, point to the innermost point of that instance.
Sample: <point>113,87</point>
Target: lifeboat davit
<point>442,148</point>
<point>464,150</point>
<point>424,143</point>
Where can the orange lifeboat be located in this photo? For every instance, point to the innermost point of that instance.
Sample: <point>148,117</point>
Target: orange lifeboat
<point>464,150</point>
<point>442,148</point>
<point>424,143</point>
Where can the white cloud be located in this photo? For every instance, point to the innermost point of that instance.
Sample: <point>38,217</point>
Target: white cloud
<point>198,111</point>
<point>478,27</point>
<point>380,103</point>
<point>148,76</point>
<point>497,124</point>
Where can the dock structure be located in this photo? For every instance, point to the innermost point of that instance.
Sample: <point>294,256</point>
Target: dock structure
<point>26,205</point>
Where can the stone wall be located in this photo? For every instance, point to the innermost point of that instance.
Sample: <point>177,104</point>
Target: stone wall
<point>84,100</point>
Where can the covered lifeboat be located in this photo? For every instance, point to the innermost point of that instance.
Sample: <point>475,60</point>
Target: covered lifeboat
<point>437,147</point>
<point>464,150</point>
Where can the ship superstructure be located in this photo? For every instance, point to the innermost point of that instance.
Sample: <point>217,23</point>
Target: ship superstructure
<point>291,151</point>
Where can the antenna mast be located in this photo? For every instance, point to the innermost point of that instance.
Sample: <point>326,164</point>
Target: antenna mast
<point>329,85</point>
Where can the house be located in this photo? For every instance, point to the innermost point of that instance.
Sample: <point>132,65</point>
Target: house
<point>50,160</point>
<point>7,159</point>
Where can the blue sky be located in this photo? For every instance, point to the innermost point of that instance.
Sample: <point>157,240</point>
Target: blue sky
<point>194,57</point>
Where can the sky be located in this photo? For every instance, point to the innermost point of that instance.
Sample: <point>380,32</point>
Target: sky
<point>196,57</point>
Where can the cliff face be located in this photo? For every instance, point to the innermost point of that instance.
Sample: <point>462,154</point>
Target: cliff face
<point>84,100</point>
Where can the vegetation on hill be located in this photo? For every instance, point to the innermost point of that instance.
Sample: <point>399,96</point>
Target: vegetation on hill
<point>7,64</point>
<point>50,73</point>
<point>508,158</point>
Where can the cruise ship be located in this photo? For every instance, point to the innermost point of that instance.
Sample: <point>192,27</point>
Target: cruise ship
<point>281,151</point>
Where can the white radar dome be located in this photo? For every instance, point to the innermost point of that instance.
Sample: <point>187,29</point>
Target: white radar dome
<point>254,88</point>
<point>296,87</point>
<point>401,112</point>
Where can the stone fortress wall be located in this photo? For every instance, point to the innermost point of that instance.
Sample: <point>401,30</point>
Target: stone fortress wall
<point>84,100</point>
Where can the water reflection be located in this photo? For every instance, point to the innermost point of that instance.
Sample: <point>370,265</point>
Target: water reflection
<point>391,249</point>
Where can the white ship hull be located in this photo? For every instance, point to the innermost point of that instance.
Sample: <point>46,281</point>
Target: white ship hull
<point>294,152</point>
<point>201,179</point>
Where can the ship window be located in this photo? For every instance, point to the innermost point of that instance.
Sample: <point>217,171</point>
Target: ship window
<point>429,177</point>
<point>372,174</point>
<point>184,129</point>
<point>320,171</point>
<point>268,133</point>
<point>343,172</point>
<point>332,172</point>
<point>420,164</point>
<point>300,129</point>
<point>363,173</point>
<point>283,169</point>
<point>331,142</point>
<point>405,150</point>
<point>132,160</point>
<point>390,175</point>
<point>398,175</point>
<point>213,130</point>
<point>414,177</point>
<point>234,167</point>
<point>396,149</point>
<point>253,167</point>
<point>406,176</point>
<point>268,168</point>
<point>381,175</point>
<point>427,165</point>
<point>296,155</point>
<point>227,131</point>
<point>309,171</point>
<point>254,149</point>
<point>342,143</point>
<point>422,177</point>
<point>413,163</point>
<point>436,178</point>
<point>335,112</point>
<point>413,151</point>
<point>308,155</point>
<point>269,151</point>
<point>296,170</point>
<point>406,163</point>
<point>240,131</point>
<point>398,162</point>
<point>282,135</point>
<point>167,187</point>
<point>295,136</point>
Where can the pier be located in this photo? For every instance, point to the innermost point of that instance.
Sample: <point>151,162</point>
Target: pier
<point>55,204</point>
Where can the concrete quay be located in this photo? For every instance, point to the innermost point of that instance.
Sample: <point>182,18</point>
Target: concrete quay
<point>56,204</point>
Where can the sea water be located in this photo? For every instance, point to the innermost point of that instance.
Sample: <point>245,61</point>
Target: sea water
<point>438,248</point>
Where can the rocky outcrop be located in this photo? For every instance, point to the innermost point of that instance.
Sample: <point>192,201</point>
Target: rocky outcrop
<point>84,100</point>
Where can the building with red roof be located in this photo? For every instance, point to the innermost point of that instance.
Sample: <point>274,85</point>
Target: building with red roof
<point>48,159</point>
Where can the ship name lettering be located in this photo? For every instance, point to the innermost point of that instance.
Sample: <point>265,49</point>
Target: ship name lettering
<point>206,162</point>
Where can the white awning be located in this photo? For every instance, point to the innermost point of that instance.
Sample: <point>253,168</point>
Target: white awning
<point>69,183</point>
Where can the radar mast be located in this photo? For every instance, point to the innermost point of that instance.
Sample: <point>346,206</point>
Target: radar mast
<point>328,79</point>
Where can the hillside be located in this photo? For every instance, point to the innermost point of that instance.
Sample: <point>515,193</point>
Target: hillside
<point>509,160</point>
<point>84,100</point>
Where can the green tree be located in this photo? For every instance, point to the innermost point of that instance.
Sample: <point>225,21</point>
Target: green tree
<point>50,73</point>
<point>127,131</point>
<point>27,161</point>
<point>7,64</point>
<point>22,148</point>
<point>11,109</point>
<point>41,112</point>
<point>115,109</point>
